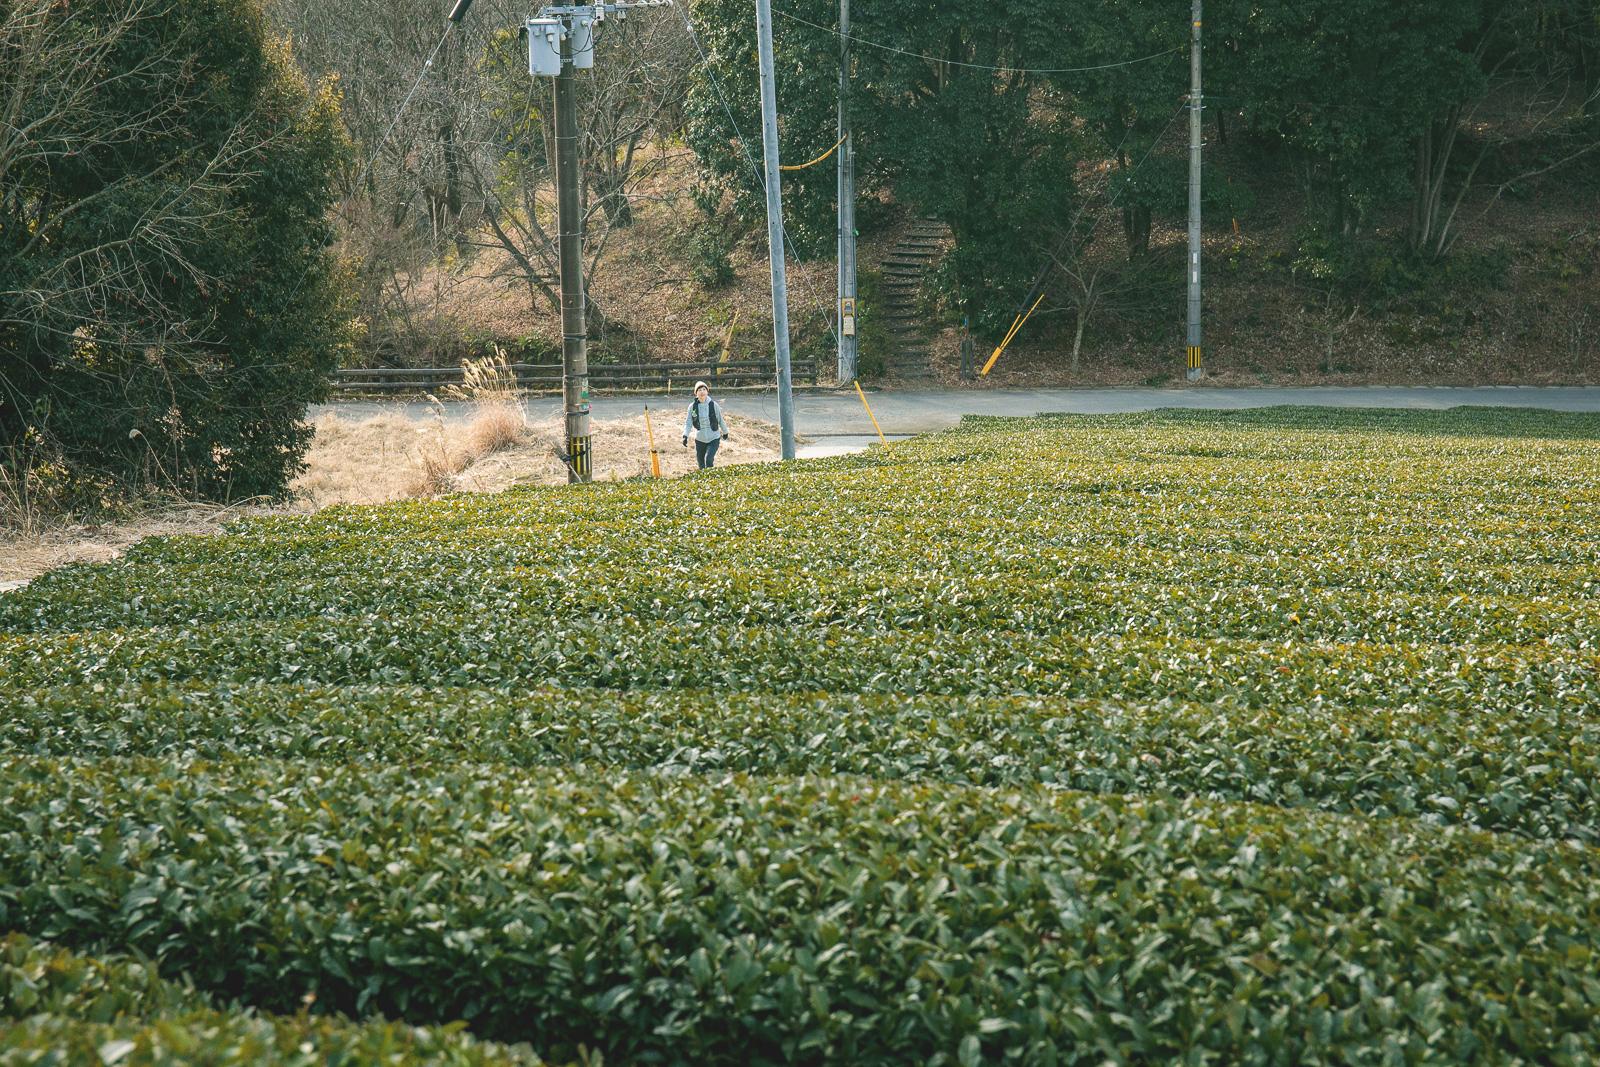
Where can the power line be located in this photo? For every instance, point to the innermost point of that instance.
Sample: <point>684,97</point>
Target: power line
<point>761,181</point>
<point>405,103</point>
<point>1111,202</point>
<point>976,66</point>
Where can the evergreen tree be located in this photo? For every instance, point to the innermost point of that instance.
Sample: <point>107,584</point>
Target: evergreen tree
<point>168,301</point>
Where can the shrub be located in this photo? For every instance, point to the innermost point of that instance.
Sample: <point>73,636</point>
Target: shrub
<point>710,241</point>
<point>171,306</point>
<point>1529,770</point>
<point>60,1007</point>
<point>765,920</point>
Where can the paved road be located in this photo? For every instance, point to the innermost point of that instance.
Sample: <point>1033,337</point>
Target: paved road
<point>821,415</point>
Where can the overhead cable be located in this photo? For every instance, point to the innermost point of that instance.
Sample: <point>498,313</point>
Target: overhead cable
<point>978,66</point>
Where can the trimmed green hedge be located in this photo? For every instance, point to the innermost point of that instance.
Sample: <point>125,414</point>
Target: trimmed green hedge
<point>764,920</point>
<point>1531,770</point>
<point>958,751</point>
<point>60,1007</point>
<point>479,648</point>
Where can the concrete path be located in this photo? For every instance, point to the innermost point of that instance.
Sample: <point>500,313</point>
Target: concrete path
<point>822,415</point>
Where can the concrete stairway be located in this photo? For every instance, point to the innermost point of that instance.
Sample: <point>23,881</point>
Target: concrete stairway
<point>904,272</point>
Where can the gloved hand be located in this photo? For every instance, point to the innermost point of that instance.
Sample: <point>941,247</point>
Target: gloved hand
<point>727,437</point>
<point>685,442</point>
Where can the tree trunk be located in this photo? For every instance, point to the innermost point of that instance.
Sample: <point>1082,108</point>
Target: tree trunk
<point>1136,224</point>
<point>452,172</point>
<point>616,205</point>
<point>1434,147</point>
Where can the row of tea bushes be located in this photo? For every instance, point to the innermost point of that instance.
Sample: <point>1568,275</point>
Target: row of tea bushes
<point>463,646</point>
<point>1269,530</point>
<point>765,920</point>
<point>58,1007</point>
<point>1261,738</point>
<point>1076,592</point>
<point>1533,770</point>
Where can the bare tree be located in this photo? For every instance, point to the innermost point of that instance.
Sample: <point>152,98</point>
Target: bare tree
<point>1531,94</point>
<point>407,212</point>
<point>462,187</point>
<point>1097,278</point>
<point>639,75</point>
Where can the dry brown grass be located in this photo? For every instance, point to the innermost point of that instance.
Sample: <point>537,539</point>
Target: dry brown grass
<point>621,450</point>
<point>369,461</point>
<point>386,457</point>
<point>495,427</point>
<point>434,466</point>
<point>497,423</point>
<point>20,510</point>
<point>26,555</point>
<point>392,457</point>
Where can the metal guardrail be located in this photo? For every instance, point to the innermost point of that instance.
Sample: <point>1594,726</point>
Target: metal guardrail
<point>546,377</point>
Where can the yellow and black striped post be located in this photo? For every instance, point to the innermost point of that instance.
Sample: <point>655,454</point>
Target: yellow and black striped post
<point>1197,361</point>
<point>579,460</point>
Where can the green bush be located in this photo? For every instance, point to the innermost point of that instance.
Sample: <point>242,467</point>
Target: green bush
<point>764,920</point>
<point>171,303</point>
<point>874,343</point>
<point>1392,277</point>
<point>709,245</point>
<point>1530,770</point>
<point>60,1007</point>
<point>1173,737</point>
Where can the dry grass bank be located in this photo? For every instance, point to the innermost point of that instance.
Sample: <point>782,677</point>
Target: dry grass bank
<point>394,457</point>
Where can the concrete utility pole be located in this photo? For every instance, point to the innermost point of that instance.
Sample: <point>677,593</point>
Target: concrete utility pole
<point>780,287</point>
<point>574,319</point>
<point>1197,366</point>
<point>847,209</point>
<point>560,40</point>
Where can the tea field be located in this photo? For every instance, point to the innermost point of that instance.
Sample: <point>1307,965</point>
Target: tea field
<point>1184,737</point>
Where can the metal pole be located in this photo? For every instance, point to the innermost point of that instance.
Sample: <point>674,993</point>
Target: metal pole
<point>1196,350</point>
<point>847,209</point>
<point>780,289</point>
<point>574,328</point>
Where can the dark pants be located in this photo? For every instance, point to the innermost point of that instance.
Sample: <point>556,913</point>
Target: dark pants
<point>705,452</point>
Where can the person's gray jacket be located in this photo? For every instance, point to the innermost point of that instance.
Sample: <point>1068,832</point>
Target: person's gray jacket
<point>705,432</point>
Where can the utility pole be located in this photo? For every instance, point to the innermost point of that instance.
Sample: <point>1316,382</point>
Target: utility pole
<point>780,288</point>
<point>847,209</point>
<point>574,319</point>
<point>560,40</point>
<point>1197,366</point>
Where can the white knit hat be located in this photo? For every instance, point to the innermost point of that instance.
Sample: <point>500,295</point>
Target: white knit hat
<point>701,385</point>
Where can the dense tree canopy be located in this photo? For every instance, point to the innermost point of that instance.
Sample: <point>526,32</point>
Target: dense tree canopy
<point>987,117</point>
<point>168,305</point>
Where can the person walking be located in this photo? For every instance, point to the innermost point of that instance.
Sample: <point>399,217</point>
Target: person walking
<point>706,424</point>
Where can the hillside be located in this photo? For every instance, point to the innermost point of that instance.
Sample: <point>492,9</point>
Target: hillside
<point>1517,305</point>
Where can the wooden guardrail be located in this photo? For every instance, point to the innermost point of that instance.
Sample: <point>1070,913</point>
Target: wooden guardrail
<point>546,377</point>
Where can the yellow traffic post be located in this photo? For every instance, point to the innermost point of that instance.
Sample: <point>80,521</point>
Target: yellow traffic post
<point>870,415</point>
<point>1015,326</point>
<point>655,457</point>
